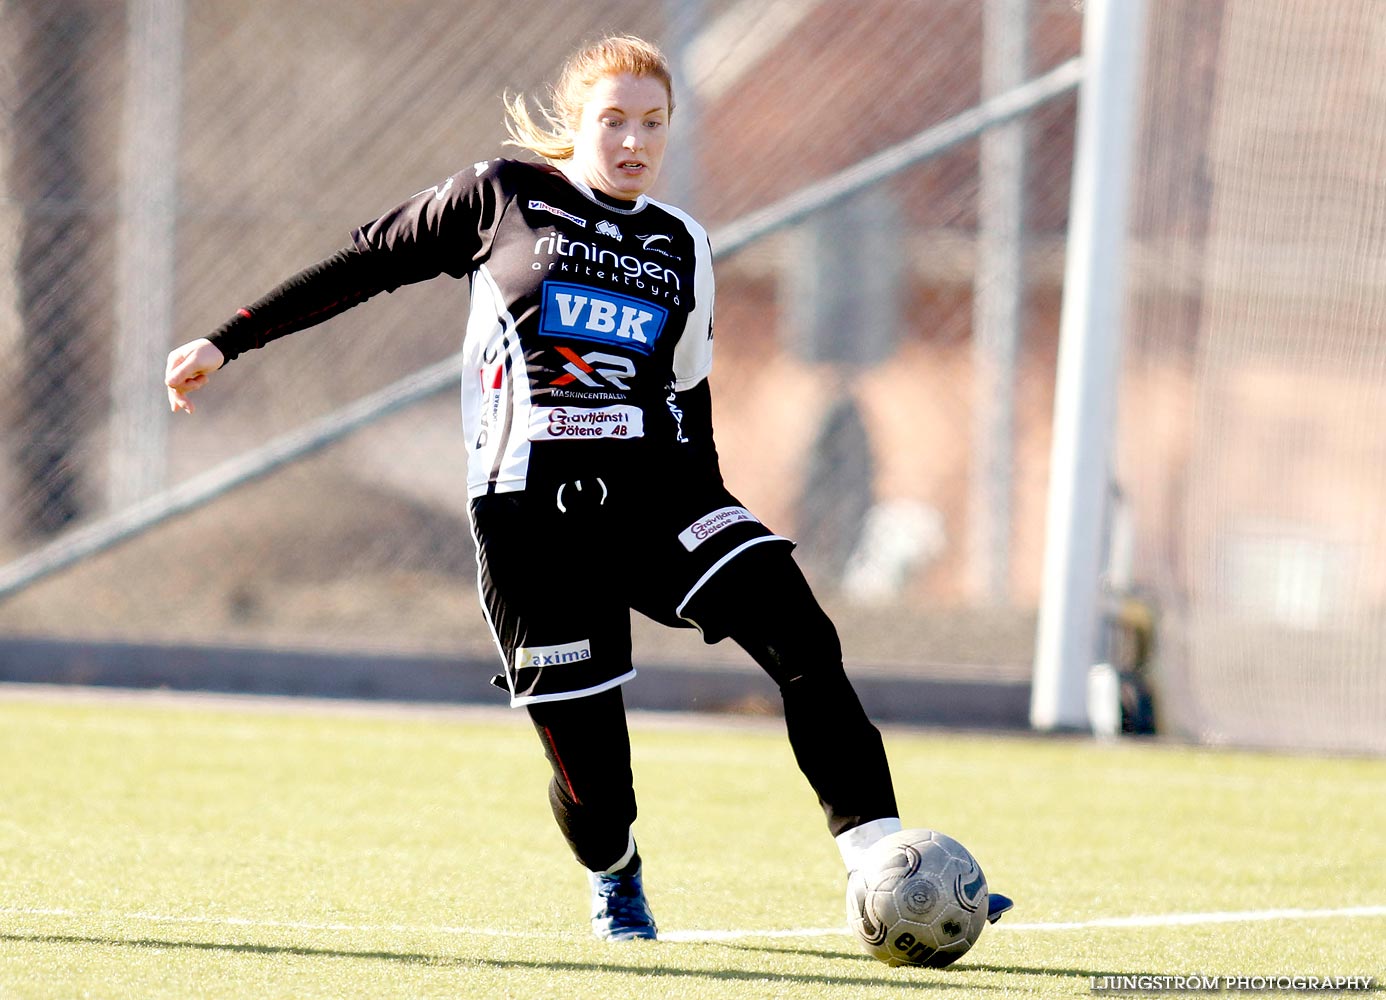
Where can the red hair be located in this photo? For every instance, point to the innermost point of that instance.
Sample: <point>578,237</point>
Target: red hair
<point>612,56</point>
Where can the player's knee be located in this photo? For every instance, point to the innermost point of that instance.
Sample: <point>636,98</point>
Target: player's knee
<point>819,682</point>
<point>609,802</point>
<point>803,644</point>
<point>762,601</point>
<point>814,630</point>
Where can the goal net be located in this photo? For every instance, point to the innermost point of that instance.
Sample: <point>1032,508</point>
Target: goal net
<point>1252,441</point>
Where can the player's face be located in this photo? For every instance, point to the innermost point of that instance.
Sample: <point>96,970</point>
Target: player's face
<point>619,145</point>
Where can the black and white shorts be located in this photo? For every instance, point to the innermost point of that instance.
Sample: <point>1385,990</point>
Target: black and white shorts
<point>560,569</point>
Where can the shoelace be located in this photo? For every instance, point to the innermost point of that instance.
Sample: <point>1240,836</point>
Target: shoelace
<point>623,898</point>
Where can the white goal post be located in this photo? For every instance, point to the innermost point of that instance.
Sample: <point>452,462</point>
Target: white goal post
<point>1090,329</point>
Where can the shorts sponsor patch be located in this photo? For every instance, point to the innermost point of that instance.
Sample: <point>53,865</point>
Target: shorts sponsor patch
<point>551,656</point>
<point>575,423</point>
<point>708,525</point>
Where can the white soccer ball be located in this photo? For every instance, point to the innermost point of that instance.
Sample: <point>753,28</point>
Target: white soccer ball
<point>917,897</point>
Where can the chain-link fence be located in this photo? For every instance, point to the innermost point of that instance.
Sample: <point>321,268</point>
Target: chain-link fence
<point>884,383</point>
<point>166,161</point>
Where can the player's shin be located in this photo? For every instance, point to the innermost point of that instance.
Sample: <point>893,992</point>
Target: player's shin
<point>842,755</point>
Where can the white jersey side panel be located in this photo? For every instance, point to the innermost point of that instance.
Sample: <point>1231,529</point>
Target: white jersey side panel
<point>693,355</point>
<point>495,394</point>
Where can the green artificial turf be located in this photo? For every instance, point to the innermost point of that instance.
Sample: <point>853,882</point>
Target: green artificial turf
<point>197,848</point>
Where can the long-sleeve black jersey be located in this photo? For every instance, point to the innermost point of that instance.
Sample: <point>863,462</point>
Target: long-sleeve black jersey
<point>589,339</point>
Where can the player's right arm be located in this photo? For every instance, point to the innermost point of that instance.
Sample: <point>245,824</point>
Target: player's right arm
<point>313,295</point>
<point>188,368</point>
<point>443,229</point>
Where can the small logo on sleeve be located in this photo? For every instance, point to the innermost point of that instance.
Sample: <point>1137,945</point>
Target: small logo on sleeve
<point>544,206</point>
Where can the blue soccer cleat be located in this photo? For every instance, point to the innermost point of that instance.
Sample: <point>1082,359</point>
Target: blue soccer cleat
<point>620,911</point>
<point>997,905</point>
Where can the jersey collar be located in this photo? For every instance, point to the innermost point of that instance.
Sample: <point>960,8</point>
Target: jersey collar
<point>635,206</point>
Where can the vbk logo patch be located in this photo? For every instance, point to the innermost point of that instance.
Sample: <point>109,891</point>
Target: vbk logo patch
<point>551,656</point>
<point>584,313</point>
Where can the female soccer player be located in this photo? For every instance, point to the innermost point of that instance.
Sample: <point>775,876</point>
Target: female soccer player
<point>592,477</point>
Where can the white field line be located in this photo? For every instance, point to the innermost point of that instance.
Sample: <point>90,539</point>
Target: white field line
<point>294,925</point>
<point>1193,919</point>
<point>705,936</point>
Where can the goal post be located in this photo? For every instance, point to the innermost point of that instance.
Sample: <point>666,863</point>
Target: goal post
<point>1089,352</point>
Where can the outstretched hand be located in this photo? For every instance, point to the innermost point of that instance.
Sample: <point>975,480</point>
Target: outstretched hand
<point>188,368</point>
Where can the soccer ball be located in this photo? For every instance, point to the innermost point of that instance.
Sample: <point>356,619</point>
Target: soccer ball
<point>917,898</point>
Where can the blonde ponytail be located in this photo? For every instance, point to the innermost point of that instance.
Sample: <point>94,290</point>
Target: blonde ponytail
<point>552,143</point>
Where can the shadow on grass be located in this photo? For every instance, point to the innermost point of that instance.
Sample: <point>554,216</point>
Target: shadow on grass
<point>444,961</point>
<point>1083,976</point>
<point>964,965</point>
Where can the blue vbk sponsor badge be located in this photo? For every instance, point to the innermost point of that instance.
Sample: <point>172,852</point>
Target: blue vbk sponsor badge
<point>584,313</point>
